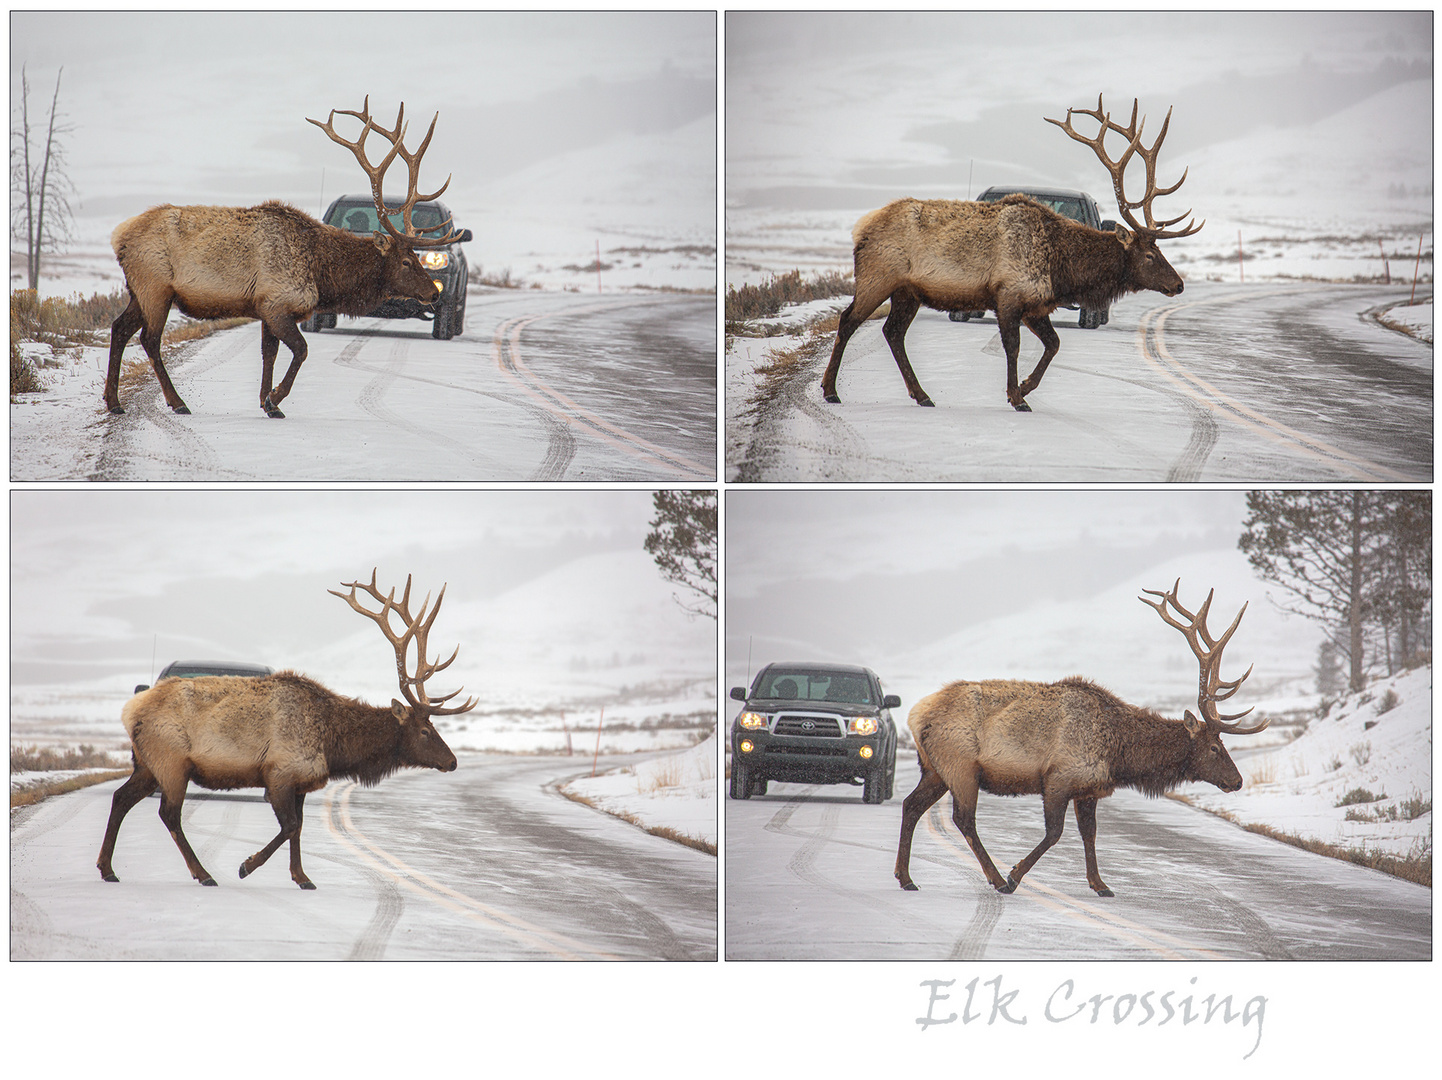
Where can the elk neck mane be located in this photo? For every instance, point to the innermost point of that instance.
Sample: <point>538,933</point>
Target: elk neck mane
<point>359,740</point>
<point>1144,749</point>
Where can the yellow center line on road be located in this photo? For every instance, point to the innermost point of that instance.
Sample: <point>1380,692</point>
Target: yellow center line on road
<point>1156,941</point>
<point>549,941</point>
<point>506,350</point>
<point>1215,400</point>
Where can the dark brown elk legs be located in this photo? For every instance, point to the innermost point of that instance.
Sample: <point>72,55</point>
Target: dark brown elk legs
<point>845,327</point>
<point>1040,326</point>
<point>139,786</point>
<point>963,813</point>
<point>1054,811</point>
<point>1086,823</point>
<point>284,329</point>
<point>121,331</point>
<point>904,306</point>
<point>931,788</point>
<point>170,809</point>
<point>287,804</point>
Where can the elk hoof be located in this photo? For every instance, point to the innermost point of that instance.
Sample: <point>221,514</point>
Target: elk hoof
<point>244,868</point>
<point>108,875</point>
<point>306,884</point>
<point>910,886</point>
<point>181,409</point>
<point>207,881</point>
<point>272,411</point>
<point>1104,891</point>
<point>116,410</point>
<point>924,400</point>
<point>831,398</point>
<point>1010,886</point>
<point>1021,406</point>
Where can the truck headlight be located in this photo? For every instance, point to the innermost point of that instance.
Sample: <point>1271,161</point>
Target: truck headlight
<point>434,260</point>
<point>752,721</point>
<point>861,725</point>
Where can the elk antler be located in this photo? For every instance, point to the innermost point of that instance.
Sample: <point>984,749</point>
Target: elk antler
<point>417,627</point>
<point>1133,134</point>
<point>376,173</point>
<point>1211,687</point>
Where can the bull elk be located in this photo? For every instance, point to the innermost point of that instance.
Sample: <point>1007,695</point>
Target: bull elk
<point>270,262</point>
<point>1070,742</point>
<point>284,733</point>
<point>1015,257</point>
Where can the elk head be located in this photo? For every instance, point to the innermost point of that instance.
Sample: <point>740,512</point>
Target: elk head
<point>1210,760</point>
<point>421,744</point>
<point>1147,267</point>
<point>403,271</point>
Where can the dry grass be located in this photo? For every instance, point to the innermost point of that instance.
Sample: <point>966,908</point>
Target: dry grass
<point>39,792</point>
<point>45,759</point>
<point>663,831</point>
<point>767,299</point>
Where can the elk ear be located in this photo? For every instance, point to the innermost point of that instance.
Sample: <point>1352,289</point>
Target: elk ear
<point>383,243</point>
<point>403,714</point>
<point>1192,724</point>
<point>1122,234</point>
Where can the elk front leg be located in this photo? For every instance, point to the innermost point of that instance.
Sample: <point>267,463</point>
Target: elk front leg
<point>847,325</point>
<point>285,328</point>
<point>269,347</point>
<point>1086,823</point>
<point>931,788</point>
<point>1041,326</point>
<point>1009,322</point>
<point>904,306</point>
<point>170,808</point>
<point>286,802</point>
<point>1054,811</point>
<point>139,786</point>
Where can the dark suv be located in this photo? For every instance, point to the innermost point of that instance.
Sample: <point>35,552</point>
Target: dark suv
<point>447,266</point>
<point>814,724</point>
<point>189,669</point>
<point>1077,205</point>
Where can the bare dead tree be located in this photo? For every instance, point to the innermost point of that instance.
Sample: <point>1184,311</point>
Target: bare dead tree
<point>39,206</point>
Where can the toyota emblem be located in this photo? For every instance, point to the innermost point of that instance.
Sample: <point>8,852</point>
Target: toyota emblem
<point>808,725</point>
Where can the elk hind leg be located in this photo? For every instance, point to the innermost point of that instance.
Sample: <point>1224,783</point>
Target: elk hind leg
<point>1054,812</point>
<point>904,306</point>
<point>140,785</point>
<point>171,804</point>
<point>1086,823</point>
<point>121,331</point>
<point>269,347</point>
<point>963,813</point>
<point>1040,326</point>
<point>153,316</point>
<point>931,788</point>
<point>857,312</point>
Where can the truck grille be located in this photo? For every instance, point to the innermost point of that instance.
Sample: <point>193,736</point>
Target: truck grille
<point>816,727</point>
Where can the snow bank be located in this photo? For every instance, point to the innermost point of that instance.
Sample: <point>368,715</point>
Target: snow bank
<point>675,792</point>
<point>1296,787</point>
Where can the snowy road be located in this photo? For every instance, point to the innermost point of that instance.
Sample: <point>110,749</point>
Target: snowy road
<point>1272,382</point>
<point>487,863</point>
<point>540,386</point>
<point>809,876</point>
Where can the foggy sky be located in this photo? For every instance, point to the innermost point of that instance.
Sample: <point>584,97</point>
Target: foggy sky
<point>97,574</point>
<point>175,106</point>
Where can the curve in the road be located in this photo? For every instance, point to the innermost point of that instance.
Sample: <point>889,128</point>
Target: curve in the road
<point>340,824</point>
<point>506,349</point>
<point>1151,343</point>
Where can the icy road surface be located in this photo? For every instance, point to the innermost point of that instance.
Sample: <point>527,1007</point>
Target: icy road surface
<point>540,386</point>
<point>1271,382</point>
<point>486,863</point>
<point>809,877</point>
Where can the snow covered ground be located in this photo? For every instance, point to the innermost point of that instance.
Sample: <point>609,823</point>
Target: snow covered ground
<point>677,791</point>
<point>1378,741</point>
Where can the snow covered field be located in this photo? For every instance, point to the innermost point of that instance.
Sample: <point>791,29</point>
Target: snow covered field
<point>677,791</point>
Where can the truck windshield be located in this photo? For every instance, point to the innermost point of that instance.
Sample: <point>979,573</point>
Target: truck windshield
<point>358,218</point>
<point>832,686</point>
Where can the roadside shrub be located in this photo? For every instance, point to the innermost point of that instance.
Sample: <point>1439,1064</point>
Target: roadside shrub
<point>47,759</point>
<point>1389,701</point>
<point>766,299</point>
<point>1414,806</point>
<point>1361,752</point>
<point>1358,795</point>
